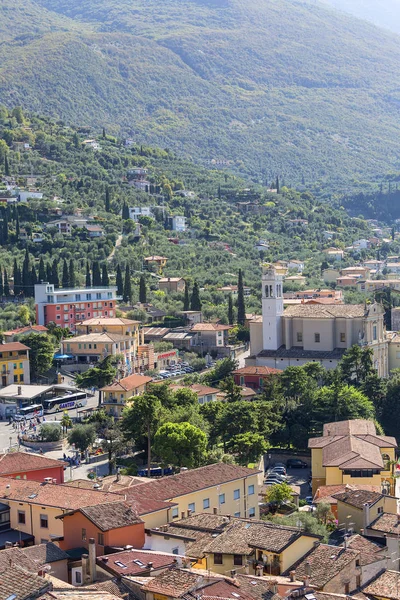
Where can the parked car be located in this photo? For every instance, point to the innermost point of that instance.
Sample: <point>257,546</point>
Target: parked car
<point>309,500</point>
<point>280,470</point>
<point>275,478</point>
<point>296,463</point>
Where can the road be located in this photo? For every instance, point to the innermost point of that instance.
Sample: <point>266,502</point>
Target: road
<point>117,244</point>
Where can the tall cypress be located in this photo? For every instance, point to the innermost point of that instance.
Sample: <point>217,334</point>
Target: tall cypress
<point>54,274</point>
<point>127,295</point>
<point>16,221</point>
<point>26,275</point>
<point>17,278</point>
<point>96,274</point>
<point>186,301</point>
<point>195,302</point>
<point>6,285</point>
<point>119,281</point>
<point>107,200</point>
<point>6,166</point>
<point>241,316</point>
<point>5,227</point>
<point>49,274</point>
<point>88,282</point>
<point>105,281</point>
<point>125,211</point>
<point>1,284</point>
<point>142,290</point>
<point>230,310</point>
<point>34,280</point>
<point>65,275</point>
<point>71,274</point>
<point>42,270</point>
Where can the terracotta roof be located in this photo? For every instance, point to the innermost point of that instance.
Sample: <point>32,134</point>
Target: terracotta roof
<point>135,562</point>
<point>256,587</point>
<point>139,497</point>
<point>42,554</point>
<point>386,585</point>
<point>325,562</point>
<point>107,321</point>
<point>127,384</point>
<point>387,523</point>
<point>100,337</point>
<point>369,551</point>
<point>358,498</point>
<point>167,488</point>
<point>48,494</point>
<point>197,388</point>
<point>17,462</point>
<point>225,589</point>
<point>19,584</point>
<point>12,346</point>
<point>16,556</point>
<point>327,493</point>
<point>257,371</point>
<point>19,330</point>
<point>350,427</point>
<point>111,516</point>
<point>326,311</point>
<point>210,327</point>
<point>175,583</point>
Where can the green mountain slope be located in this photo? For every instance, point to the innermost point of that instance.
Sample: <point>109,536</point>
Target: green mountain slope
<point>275,87</point>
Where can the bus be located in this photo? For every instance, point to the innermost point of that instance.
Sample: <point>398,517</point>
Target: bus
<point>29,412</point>
<point>74,400</point>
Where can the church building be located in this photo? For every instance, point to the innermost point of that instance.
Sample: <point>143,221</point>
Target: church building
<point>313,332</point>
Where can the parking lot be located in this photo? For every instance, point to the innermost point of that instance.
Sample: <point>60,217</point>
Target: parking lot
<point>299,477</point>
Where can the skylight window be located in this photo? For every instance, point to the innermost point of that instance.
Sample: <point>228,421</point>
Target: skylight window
<point>120,564</point>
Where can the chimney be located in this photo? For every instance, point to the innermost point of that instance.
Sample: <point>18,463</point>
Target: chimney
<point>150,566</point>
<point>54,481</point>
<point>8,545</point>
<point>259,570</point>
<point>105,559</point>
<point>233,573</point>
<point>367,516</point>
<point>19,390</point>
<point>274,587</point>
<point>183,514</point>
<point>85,574</point>
<point>362,532</point>
<point>189,512</point>
<point>345,541</point>
<point>118,473</point>
<point>92,560</point>
<point>292,575</point>
<point>215,510</point>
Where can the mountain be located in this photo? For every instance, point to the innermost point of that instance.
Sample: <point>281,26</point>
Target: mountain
<point>279,87</point>
<point>385,13</point>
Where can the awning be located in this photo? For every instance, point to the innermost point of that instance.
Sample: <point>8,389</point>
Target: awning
<point>62,356</point>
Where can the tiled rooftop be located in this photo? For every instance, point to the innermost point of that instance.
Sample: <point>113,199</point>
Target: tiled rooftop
<point>387,585</point>
<point>262,371</point>
<point>369,551</point>
<point>127,384</point>
<point>19,584</point>
<point>325,562</point>
<point>173,583</point>
<point>387,523</point>
<point>16,462</point>
<point>134,562</point>
<point>111,516</point>
<point>358,498</point>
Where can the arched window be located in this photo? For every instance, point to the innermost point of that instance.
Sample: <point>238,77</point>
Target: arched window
<point>267,291</point>
<point>386,462</point>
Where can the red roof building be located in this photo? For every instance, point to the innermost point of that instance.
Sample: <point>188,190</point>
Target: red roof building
<point>254,377</point>
<point>33,467</point>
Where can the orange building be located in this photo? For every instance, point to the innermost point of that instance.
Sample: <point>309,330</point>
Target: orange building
<point>111,524</point>
<point>33,467</point>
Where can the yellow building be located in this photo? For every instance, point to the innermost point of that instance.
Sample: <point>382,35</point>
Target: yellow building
<point>14,364</point>
<point>115,397</point>
<point>352,452</point>
<point>116,325</point>
<point>357,509</point>
<point>94,347</point>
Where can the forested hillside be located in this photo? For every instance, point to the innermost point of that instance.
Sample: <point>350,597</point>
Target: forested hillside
<point>274,88</point>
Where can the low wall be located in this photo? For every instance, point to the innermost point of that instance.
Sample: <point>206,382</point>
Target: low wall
<point>45,446</point>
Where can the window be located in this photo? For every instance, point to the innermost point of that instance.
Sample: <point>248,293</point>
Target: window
<point>237,560</point>
<point>206,503</point>
<point>100,539</point>
<point>237,514</point>
<point>175,550</point>
<point>44,521</point>
<point>299,336</point>
<point>380,510</point>
<point>342,337</point>
<point>88,297</point>
<point>83,535</point>
<point>21,517</point>
<point>347,588</point>
<point>221,499</point>
<point>175,513</point>
<point>218,559</point>
<point>21,366</point>
<point>15,365</point>
<point>317,338</point>
<point>21,377</point>
<point>78,577</point>
<point>236,494</point>
<point>374,332</point>
<point>192,507</point>
<point>98,296</point>
<point>77,297</point>
<point>15,378</point>
<point>357,562</point>
<point>250,491</point>
<point>252,512</point>
<point>386,461</point>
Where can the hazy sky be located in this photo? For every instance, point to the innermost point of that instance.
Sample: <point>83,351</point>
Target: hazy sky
<point>385,13</point>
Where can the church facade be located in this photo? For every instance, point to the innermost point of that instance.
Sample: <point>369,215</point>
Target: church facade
<point>313,332</point>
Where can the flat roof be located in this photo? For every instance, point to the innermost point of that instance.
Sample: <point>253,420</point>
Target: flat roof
<point>30,391</point>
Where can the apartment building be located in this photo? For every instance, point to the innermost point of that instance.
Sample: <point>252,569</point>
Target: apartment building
<point>14,363</point>
<point>67,307</point>
<point>94,347</point>
<point>115,397</point>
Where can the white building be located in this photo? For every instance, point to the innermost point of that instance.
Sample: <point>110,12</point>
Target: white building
<point>140,211</point>
<point>29,195</point>
<point>178,223</point>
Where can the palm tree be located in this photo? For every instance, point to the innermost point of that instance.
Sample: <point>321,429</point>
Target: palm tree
<point>66,422</point>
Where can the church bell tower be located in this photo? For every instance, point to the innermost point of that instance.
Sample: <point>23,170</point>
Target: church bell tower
<point>272,308</point>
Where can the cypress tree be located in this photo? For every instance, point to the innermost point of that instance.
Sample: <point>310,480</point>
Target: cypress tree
<point>5,227</point>
<point>96,274</point>
<point>230,310</point>
<point>186,302</point>
<point>125,211</point>
<point>104,133</point>
<point>34,281</point>
<point>1,284</point>
<point>6,285</point>
<point>127,295</point>
<point>6,166</point>
<point>104,275</point>
<point>277,185</point>
<point>42,270</point>
<point>49,275</point>
<point>107,200</point>
<point>17,278</point>
<point>16,222</point>
<point>120,283</point>
<point>71,274</point>
<point>142,290</point>
<point>26,275</point>
<point>241,316</point>
<point>54,274</point>
<point>88,282</point>
<point>65,275</point>
<point>195,302</point>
